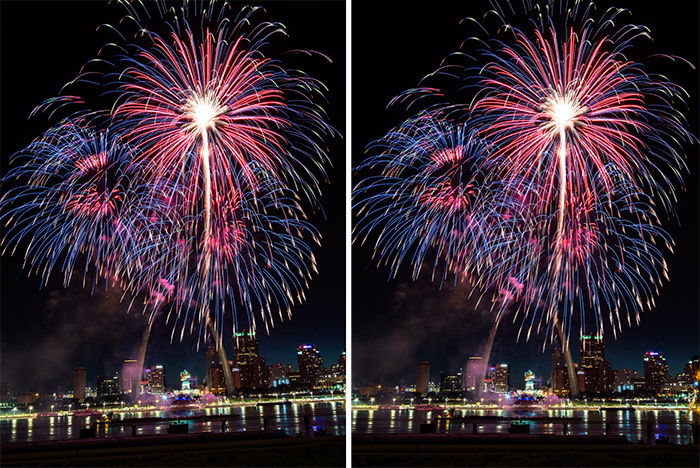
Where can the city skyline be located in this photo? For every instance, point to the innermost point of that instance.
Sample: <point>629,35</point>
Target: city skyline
<point>542,370</point>
<point>38,318</point>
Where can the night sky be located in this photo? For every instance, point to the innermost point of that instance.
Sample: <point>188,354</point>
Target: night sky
<point>398,323</point>
<point>46,333</point>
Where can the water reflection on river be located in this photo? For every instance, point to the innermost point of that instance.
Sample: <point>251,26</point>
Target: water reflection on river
<point>290,418</point>
<point>632,424</point>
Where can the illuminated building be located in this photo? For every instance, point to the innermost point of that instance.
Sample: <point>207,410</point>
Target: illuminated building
<point>215,379</point>
<point>581,380</point>
<point>246,355</point>
<point>598,372</point>
<point>27,398</point>
<point>310,364</point>
<point>370,389</point>
<point>210,357</point>
<point>500,378</point>
<point>655,371</point>
<point>450,382</point>
<point>560,375</point>
<point>4,392</point>
<point>691,370</point>
<point>107,387</point>
<point>474,369</point>
<point>156,379</point>
<point>79,383</point>
<point>294,377</point>
<point>341,362</point>
<point>130,376</point>
<point>214,372</point>
<point>278,374</point>
<point>236,376</point>
<point>529,381</point>
<point>422,377</point>
<point>623,380</point>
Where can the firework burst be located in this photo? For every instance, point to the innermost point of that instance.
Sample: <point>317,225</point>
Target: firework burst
<point>429,204</point>
<point>81,204</point>
<point>599,138</point>
<point>211,113</point>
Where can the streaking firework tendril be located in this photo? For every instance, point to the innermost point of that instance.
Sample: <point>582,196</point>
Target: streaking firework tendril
<point>599,138</point>
<point>211,113</point>
<point>82,203</point>
<point>428,203</point>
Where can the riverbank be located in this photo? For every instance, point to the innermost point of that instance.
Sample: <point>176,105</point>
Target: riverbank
<point>272,448</point>
<point>515,451</point>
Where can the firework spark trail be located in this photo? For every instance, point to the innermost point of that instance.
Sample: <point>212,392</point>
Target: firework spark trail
<point>600,138</point>
<point>428,203</point>
<point>210,112</point>
<point>81,205</point>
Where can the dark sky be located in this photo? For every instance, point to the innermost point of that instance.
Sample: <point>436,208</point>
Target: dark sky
<point>398,323</point>
<point>45,333</point>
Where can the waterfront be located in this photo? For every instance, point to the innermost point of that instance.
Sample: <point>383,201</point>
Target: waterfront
<point>667,423</point>
<point>288,417</point>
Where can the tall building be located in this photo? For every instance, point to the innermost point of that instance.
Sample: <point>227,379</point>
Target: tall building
<point>246,355</point>
<point>623,380</point>
<point>450,382</point>
<point>130,376</point>
<point>500,378</point>
<point>655,371</point>
<point>79,383</point>
<point>279,374</point>
<point>691,371</point>
<point>560,375</point>
<point>4,392</point>
<point>156,379</point>
<point>107,387</point>
<point>211,356</point>
<point>473,370</point>
<point>598,372</point>
<point>341,362</point>
<point>215,379</point>
<point>422,377</point>
<point>310,364</point>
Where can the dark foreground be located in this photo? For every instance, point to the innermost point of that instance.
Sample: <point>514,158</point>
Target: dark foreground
<point>515,451</point>
<point>201,450</point>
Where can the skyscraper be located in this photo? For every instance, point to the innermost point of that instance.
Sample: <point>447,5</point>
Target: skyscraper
<point>623,380</point>
<point>79,383</point>
<point>278,375</point>
<point>156,379</point>
<point>4,392</point>
<point>246,355</point>
<point>210,357</point>
<point>560,375</point>
<point>215,379</point>
<point>598,371</point>
<point>310,364</point>
<point>450,382</point>
<point>500,378</point>
<point>341,362</point>
<point>691,370</point>
<point>422,377</point>
<point>655,371</point>
<point>473,372</point>
<point>130,376</point>
<point>108,388</point>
